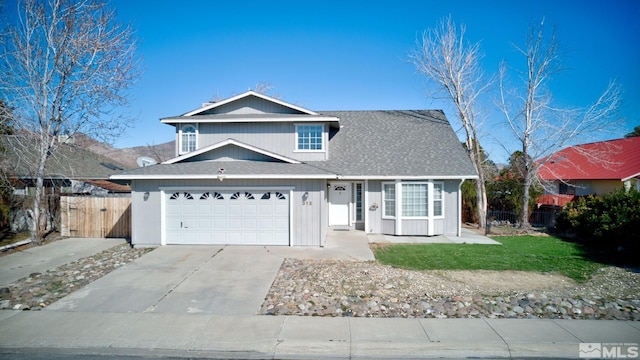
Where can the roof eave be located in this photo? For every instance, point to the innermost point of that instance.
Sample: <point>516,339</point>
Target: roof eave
<point>301,118</point>
<point>221,177</point>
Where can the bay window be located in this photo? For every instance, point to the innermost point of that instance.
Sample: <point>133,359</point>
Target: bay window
<point>417,199</point>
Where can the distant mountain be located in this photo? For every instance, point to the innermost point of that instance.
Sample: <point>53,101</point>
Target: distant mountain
<point>127,156</point>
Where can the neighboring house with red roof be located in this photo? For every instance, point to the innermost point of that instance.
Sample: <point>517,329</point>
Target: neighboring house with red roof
<point>590,169</point>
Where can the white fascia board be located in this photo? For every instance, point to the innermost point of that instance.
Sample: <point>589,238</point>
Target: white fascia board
<point>231,142</point>
<point>249,93</point>
<point>275,118</point>
<point>630,177</point>
<point>407,177</point>
<point>218,176</point>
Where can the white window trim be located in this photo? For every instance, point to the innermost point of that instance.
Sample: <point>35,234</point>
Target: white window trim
<point>429,202</point>
<point>354,194</point>
<point>384,212</point>
<point>442,200</point>
<point>325,138</point>
<point>195,126</point>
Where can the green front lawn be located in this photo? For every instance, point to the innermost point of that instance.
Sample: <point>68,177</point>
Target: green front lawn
<point>524,253</point>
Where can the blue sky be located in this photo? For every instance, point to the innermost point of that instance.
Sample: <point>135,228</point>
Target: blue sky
<point>352,55</point>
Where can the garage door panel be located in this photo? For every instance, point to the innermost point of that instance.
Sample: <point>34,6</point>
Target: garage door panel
<point>234,223</point>
<point>205,224</point>
<point>249,224</point>
<point>234,209</point>
<point>227,217</point>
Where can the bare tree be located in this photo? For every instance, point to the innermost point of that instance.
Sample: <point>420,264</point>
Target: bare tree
<point>65,68</point>
<point>540,128</point>
<point>445,58</point>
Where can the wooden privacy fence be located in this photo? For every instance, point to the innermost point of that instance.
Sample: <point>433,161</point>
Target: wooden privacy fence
<point>95,217</point>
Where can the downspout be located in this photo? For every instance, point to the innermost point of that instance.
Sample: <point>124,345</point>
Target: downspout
<point>460,208</point>
<point>365,206</point>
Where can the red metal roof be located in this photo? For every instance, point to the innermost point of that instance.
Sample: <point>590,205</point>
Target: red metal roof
<point>606,160</point>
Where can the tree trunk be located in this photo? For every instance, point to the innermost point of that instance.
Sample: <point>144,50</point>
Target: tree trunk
<point>40,212</point>
<point>524,219</point>
<point>481,198</point>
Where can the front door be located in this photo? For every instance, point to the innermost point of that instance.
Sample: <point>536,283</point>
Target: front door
<point>339,196</point>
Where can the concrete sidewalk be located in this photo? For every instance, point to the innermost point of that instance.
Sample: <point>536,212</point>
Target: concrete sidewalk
<point>467,236</point>
<point>287,337</point>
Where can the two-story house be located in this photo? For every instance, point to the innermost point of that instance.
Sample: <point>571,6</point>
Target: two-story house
<point>252,169</point>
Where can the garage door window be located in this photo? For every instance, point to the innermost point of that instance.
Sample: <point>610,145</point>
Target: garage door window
<point>176,196</point>
<point>214,196</point>
<point>238,195</point>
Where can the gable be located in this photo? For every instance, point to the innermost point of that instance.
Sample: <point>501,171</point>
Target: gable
<point>250,103</point>
<point>231,150</point>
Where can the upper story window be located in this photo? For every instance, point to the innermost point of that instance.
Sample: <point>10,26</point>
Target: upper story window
<point>188,139</point>
<point>309,137</point>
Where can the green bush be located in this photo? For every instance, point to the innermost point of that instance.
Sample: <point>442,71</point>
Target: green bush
<point>612,220</point>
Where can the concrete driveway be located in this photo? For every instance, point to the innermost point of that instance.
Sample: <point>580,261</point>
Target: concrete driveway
<point>205,279</point>
<point>218,280</point>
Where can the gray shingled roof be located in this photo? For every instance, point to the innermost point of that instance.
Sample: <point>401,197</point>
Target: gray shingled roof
<point>396,143</point>
<point>67,162</point>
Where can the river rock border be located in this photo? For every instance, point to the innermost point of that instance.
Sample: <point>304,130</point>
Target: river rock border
<point>368,289</point>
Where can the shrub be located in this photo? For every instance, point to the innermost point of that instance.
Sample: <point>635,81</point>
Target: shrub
<point>612,220</point>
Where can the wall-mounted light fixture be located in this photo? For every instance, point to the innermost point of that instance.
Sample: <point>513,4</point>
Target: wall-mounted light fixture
<point>305,196</point>
<point>146,196</point>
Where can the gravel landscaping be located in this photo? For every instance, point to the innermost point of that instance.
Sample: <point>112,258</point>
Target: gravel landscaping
<point>369,289</point>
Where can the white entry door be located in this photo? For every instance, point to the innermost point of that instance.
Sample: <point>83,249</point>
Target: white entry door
<point>339,196</point>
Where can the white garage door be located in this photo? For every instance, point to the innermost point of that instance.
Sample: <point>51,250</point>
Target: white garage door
<point>241,217</point>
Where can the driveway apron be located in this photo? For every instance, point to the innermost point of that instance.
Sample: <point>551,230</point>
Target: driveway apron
<point>217,280</point>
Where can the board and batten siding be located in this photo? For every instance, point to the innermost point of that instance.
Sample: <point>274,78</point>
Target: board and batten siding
<point>308,223</point>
